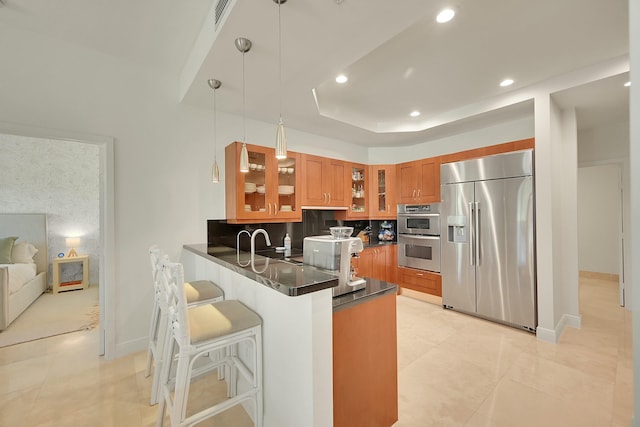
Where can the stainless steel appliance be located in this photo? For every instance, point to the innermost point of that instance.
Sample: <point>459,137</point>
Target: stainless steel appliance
<point>488,246</point>
<point>334,254</point>
<point>419,236</point>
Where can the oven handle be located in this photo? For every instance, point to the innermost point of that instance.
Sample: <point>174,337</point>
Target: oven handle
<point>418,236</point>
<point>419,215</point>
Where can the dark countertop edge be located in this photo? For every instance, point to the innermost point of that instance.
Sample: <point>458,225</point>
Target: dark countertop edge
<point>374,289</point>
<point>291,291</point>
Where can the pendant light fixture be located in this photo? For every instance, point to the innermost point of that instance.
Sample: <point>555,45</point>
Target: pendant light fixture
<point>215,170</point>
<point>281,140</point>
<point>243,45</point>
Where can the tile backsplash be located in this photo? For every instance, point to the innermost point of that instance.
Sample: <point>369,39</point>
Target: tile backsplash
<point>314,223</point>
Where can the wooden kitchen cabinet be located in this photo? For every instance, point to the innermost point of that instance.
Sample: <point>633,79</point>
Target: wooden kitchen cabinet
<point>392,264</point>
<point>419,181</point>
<point>377,262</point>
<point>269,192</point>
<point>365,364</point>
<point>325,182</point>
<point>382,192</point>
<point>357,192</point>
<point>420,280</point>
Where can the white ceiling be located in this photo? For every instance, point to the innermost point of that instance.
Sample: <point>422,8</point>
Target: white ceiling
<point>397,57</point>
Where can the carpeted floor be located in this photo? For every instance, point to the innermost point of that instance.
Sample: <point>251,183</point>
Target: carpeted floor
<point>54,314</point>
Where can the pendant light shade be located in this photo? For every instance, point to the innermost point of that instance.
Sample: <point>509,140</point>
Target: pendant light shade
<point>281,140</point>
<point>243,45</point>
<point>244,159</point>
<point>215,170</point>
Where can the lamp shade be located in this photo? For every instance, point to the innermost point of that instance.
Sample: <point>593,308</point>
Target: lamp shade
<point>72,242</point>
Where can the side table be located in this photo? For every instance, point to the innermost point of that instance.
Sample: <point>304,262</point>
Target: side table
<point>70,273</point>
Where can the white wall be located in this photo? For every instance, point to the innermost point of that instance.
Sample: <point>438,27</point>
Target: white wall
<point>634,172</point>
<point>599,219</point>
<point>609,145</point>
<point>163,152</point>
<point>59,178</point>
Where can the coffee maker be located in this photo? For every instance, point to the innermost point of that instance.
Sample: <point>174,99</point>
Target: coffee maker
<point>334,254</point>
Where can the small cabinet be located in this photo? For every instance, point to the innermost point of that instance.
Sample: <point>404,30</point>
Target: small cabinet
<point>382,192</point>
<point>70,273</point>
<point>419,181</point>
<point>324,182</point>
<point>268,192</point>
<point>420,280</point>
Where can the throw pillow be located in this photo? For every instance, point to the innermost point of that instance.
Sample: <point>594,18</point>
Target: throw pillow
<point>23,253</point>
<point>6,245</point>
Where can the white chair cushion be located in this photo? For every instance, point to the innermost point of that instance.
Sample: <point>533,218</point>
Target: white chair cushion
<point>215,320</point>
<point>201,290</point>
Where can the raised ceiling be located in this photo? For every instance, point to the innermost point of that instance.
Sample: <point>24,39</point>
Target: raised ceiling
<point>397,57</point>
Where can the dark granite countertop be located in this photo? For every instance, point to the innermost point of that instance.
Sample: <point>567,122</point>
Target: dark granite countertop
<point>375,288</point>
<point>288,276</point>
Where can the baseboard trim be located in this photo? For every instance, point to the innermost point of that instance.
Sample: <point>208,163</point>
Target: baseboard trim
<point>600,276</point>
<point>129,347</point>
<point>432,299</point>
<point>553,335</point>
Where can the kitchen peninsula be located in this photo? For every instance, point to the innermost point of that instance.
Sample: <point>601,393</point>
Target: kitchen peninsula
<point>296,305</point>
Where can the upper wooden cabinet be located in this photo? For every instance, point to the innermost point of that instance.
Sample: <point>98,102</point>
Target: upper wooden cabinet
<point>419,181</point>
<point>325,182</point>
<point>269,192</point>
<point>358,193</point>
<point>382,192</point>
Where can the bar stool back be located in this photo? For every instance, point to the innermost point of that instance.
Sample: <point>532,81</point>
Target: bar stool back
<point>197,334</point>
<point>198,293</point>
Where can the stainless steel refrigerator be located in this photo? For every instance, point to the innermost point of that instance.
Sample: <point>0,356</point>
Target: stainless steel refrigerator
<point>488,238</point>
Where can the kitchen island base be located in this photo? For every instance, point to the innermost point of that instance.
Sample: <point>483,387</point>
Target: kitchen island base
<point>297,348</point>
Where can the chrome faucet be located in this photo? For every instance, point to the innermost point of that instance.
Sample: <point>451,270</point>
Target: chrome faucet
<point>253,239</point>
<point>238,244</point>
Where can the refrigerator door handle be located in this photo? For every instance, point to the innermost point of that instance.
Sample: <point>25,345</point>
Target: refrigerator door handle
<point>477,232</point>
<point>472,233</point>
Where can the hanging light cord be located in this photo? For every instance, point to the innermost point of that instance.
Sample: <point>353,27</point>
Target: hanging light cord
<point>215,129</point>
<point>280,56</point>
<point>244,129</point>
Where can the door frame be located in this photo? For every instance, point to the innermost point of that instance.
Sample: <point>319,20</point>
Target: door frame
<point>106,274</point>
<point>623,226</point>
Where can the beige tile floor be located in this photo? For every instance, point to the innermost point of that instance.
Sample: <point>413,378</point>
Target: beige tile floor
<point>454,370</point>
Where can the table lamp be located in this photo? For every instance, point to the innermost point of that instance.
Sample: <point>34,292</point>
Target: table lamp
<point>72,242</point>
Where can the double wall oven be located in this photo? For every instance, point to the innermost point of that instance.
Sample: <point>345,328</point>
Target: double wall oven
<point>419,236</point>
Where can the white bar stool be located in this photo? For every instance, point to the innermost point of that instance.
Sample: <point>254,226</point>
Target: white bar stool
<point>197,333</point>
<point>197,293</point>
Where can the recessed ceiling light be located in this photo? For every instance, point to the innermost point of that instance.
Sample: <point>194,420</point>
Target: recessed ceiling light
<point>341,78</point>
<point>445,15</point>
<point>627,84</point>
<point>506,82</point>
<point>415,113</point>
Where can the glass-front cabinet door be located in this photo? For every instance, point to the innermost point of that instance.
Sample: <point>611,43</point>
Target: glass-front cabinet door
<point>382,204</point>
<point>288,187</point>
<point>359,189</point>
<point>267,192</point>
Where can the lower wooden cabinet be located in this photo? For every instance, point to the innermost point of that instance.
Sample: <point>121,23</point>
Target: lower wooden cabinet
<point>365,364</point>
<point>378,262</point>
<point>420,280</point>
